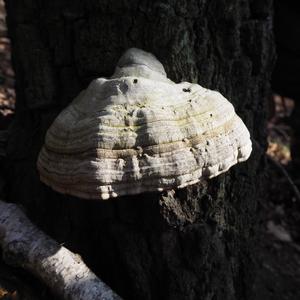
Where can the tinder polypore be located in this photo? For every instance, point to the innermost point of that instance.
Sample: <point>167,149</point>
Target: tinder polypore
<point>139,132</point>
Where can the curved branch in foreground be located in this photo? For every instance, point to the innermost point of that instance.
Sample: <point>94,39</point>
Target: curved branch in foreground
<point>64,272</point>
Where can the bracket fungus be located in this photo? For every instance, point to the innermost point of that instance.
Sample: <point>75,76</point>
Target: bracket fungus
<point>138,131</point>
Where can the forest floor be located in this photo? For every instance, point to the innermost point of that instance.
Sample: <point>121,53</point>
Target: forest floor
<point>278,247</point>
<point>7,92</point>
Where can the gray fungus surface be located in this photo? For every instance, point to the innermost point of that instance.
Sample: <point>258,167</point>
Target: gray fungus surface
<point>140,132</point>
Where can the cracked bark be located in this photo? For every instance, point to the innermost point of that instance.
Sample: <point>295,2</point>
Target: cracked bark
<point>193,243</point>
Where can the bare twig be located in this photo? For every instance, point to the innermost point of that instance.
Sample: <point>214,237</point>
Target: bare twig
<point>286,175</point>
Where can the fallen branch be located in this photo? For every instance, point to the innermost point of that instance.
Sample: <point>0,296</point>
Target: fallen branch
<point>63,271</point>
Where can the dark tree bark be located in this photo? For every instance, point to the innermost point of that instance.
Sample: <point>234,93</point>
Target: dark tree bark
<point>198,242</point>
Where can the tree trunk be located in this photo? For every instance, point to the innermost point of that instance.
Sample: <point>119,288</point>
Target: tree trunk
<point>194,243</point>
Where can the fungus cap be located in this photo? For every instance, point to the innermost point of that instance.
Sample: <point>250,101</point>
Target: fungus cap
<point>140,132</point>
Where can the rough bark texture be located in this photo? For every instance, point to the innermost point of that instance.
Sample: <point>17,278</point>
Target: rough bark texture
<point>195,243</point>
